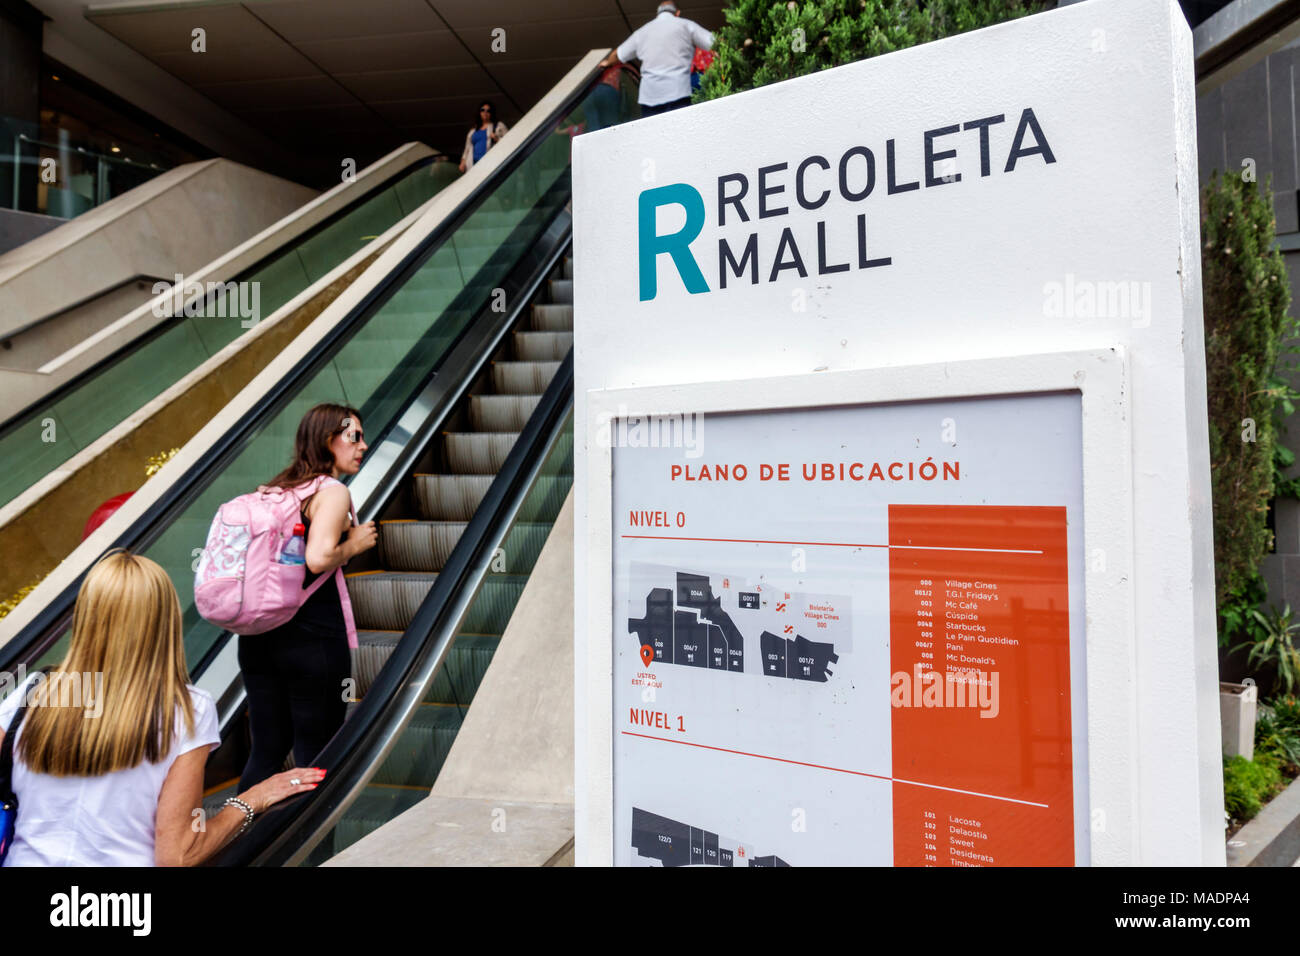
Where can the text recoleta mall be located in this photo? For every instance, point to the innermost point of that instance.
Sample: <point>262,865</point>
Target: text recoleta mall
<point>769,191</point>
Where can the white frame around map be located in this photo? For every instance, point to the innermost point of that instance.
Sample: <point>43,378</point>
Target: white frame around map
<point>1100,378</point>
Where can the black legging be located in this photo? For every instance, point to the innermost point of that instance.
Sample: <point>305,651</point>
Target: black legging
<point>294,679</point>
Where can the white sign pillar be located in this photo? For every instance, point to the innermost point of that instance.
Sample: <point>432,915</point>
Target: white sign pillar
<point>980,255</point>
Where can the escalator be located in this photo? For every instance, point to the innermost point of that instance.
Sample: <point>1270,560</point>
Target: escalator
<point>421,534</point>
<point>82,410</point>
<point>457,354</point>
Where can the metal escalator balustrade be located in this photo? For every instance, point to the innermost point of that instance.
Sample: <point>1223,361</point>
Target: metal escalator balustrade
<point>405,328</point>
<point>413,333</point>
<point>104,395</point>
<point>389,753</point>
<point>413,550</point>
<point>375,371</point>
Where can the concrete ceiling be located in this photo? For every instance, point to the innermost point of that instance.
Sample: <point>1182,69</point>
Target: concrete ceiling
<point>359,77</point>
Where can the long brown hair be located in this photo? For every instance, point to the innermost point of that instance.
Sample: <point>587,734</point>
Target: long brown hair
<point>311,446</point>
<point>127,654</point>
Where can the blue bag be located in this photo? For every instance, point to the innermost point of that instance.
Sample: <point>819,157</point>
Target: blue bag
<point>8,799</point>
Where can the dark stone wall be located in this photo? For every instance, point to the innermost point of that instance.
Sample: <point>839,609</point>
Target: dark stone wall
<point>1253,116</point>
<point>20,60</point>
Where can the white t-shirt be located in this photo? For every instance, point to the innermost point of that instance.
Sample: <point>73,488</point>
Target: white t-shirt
<point>665,46</point>
<point>96,821</point>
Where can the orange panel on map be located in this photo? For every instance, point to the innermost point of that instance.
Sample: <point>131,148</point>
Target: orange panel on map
<point>980,689</point>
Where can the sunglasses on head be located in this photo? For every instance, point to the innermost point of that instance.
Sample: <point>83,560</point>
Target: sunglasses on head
<point>349,432</point>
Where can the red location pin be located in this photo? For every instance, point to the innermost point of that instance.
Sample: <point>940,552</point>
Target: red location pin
<point>647,654</point>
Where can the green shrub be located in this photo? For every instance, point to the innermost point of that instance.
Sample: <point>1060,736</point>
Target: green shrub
<point>1286,711</point>
<point>1276,738</point>
<point>764,41</point>
<point>1246,298</point>
<point>1237,618</point>
<point>1276,648</point>
<point>1246,784</point>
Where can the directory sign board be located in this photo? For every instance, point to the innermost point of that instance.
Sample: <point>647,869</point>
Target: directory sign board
<point>845,635</point>
<point>1026,190</point>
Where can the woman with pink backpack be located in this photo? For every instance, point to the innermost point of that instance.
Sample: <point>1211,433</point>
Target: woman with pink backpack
<point>294,673</point>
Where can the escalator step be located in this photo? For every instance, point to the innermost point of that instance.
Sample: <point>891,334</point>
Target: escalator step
<point>562,290</point>
<point>568,268</point>
<point>426,545</point>
<point>417,545</point>
<point>478,453</point>
<point>450,497</point>
<point>369,656</point>
<point>552,318</point>
<point>421,748</point>
<point>458,679</point>
<point>387,600</point>
<point>523,378</point>
<point>542,346</point>
<point>501,413</point>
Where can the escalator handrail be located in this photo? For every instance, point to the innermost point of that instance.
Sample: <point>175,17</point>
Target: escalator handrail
<point>437,406</point>
<point>50,619</point>
<point>285,835</point>
<point>55,395</point>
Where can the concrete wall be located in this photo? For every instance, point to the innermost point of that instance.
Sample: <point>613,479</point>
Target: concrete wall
<point>18,227</point>
<point>175,222</point>
<point>20,385</point>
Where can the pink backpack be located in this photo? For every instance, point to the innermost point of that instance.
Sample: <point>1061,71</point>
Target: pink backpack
<point>241,585</point>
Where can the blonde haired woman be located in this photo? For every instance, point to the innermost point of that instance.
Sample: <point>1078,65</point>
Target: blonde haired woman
<point>115,778</point>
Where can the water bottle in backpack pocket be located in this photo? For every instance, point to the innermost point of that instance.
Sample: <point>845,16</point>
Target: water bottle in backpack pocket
<point>295,549</point>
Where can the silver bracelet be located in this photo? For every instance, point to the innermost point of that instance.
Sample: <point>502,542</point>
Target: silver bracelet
<point>248,811</point>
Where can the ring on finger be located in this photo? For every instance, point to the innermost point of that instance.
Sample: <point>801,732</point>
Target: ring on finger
<point>295,782</point>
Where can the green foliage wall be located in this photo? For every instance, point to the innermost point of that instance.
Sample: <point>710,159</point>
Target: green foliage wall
<point>769,40</point>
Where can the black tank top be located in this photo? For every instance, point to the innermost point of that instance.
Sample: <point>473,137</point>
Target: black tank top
<point>323,611</point>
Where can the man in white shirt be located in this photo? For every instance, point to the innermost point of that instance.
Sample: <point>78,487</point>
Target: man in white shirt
<point>665,46</point>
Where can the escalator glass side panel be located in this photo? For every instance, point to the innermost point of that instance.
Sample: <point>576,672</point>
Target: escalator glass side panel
<point>53,433</point>
<point>527,196</point>
<point>412,766</point>
<point>392,352</point>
